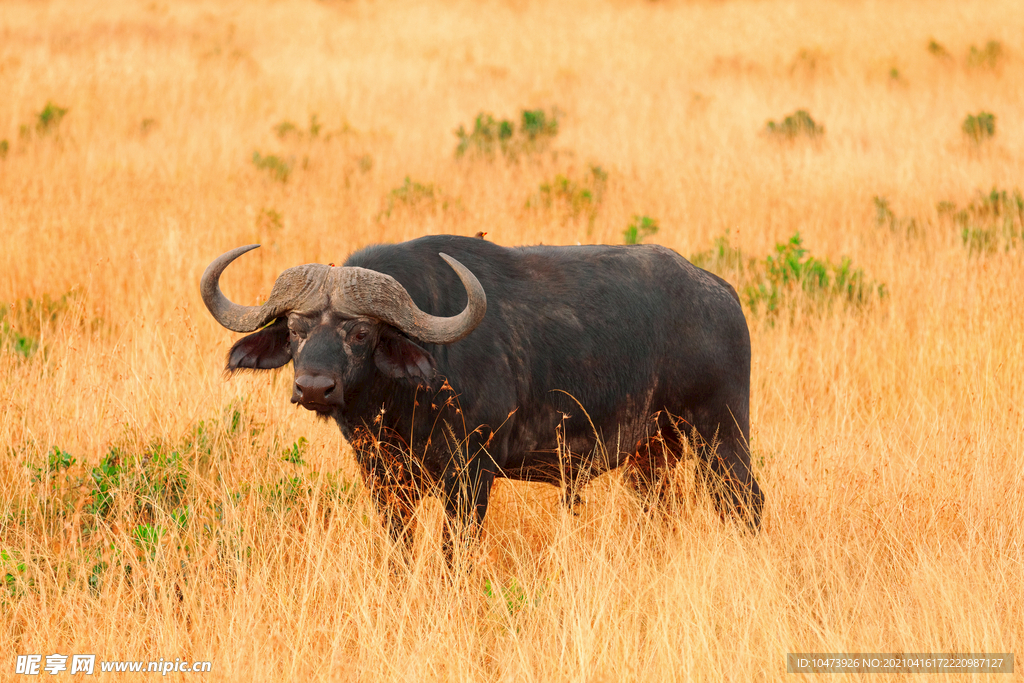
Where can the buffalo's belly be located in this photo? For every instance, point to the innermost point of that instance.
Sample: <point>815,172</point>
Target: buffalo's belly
<point>566,452</point>
<point>554,468</point>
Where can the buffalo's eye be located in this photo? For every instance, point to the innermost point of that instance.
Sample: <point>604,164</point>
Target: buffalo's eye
<point>358,333</point>
<point>296,335</point>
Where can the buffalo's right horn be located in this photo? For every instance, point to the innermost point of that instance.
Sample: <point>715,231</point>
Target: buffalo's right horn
<point>292,287</point>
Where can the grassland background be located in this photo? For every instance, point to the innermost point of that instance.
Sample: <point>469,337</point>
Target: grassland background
<point>887,436</point>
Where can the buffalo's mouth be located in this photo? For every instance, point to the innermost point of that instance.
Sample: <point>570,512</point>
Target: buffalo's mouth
<point>321,409</point>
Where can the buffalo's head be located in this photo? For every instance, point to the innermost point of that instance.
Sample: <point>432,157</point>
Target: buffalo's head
<point>339,326</point>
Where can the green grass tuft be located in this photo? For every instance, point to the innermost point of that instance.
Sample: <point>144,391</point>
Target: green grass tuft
<point>798,124</point>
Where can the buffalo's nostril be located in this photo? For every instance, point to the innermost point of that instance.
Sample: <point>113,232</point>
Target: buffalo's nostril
<point>313,390</point>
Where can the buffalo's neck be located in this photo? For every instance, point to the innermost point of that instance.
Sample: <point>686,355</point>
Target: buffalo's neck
<point>395,416</point>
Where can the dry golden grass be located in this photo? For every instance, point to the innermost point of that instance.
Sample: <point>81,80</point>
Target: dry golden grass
<point>888,437</point>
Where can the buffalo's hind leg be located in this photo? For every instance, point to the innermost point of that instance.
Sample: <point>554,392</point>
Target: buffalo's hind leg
<point>649,470</point>
<point>724,470</point>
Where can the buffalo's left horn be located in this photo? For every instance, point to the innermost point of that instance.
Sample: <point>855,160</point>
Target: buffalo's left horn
<point>369,293</point>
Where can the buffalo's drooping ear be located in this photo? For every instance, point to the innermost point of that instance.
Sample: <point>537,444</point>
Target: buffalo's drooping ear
<point>399,357</point>
<point>265,349</point>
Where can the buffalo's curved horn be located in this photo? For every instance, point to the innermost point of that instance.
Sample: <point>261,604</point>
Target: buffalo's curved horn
<point>374,294</point>
<point>292,287</point>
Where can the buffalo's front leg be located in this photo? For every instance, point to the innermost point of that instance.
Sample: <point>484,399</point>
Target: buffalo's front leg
<point>467,490</point>
<point>395,490</point>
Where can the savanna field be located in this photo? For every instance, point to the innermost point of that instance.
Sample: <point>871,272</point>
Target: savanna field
<point>854,169</point>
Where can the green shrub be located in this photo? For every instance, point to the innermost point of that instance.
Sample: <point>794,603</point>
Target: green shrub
<point>269,221</point>
<point>412,195</point>
<point>511,598</point>
<point>792,268</point>
<point>987,57</point>
<point>411,192</point>
<point>937,49</point>
<point>56,461</point>
<point>287,494</point>
<point>488,135</point>
<point>277,167</point>
<point>49,118</point>
<point>293,454</point>
<point>990,223</point>
<point>491,135</point>
<point>720,258</point>
<point>578,196</point>
<point>797,124</point>
<point>574,198</point>
<point>4,148</point>
<point>156,478</point>
<point>979,127</point>
<point>287,129</point>
<point>147,538</point>
<point>23,323</point>
<point>20,344</point>
<point>639,228</point>
<point>154,486</point>
<point>790,278</point>
<point>884,216</point>
<point>163,502</point>
<point>538,125</point>
<point>979,240</point>
<point>15,572</point>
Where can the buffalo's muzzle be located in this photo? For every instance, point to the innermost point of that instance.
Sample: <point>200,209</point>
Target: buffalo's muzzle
<point>316,392</point>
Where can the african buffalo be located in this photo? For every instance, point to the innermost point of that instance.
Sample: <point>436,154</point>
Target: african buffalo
<point>448,361</point>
